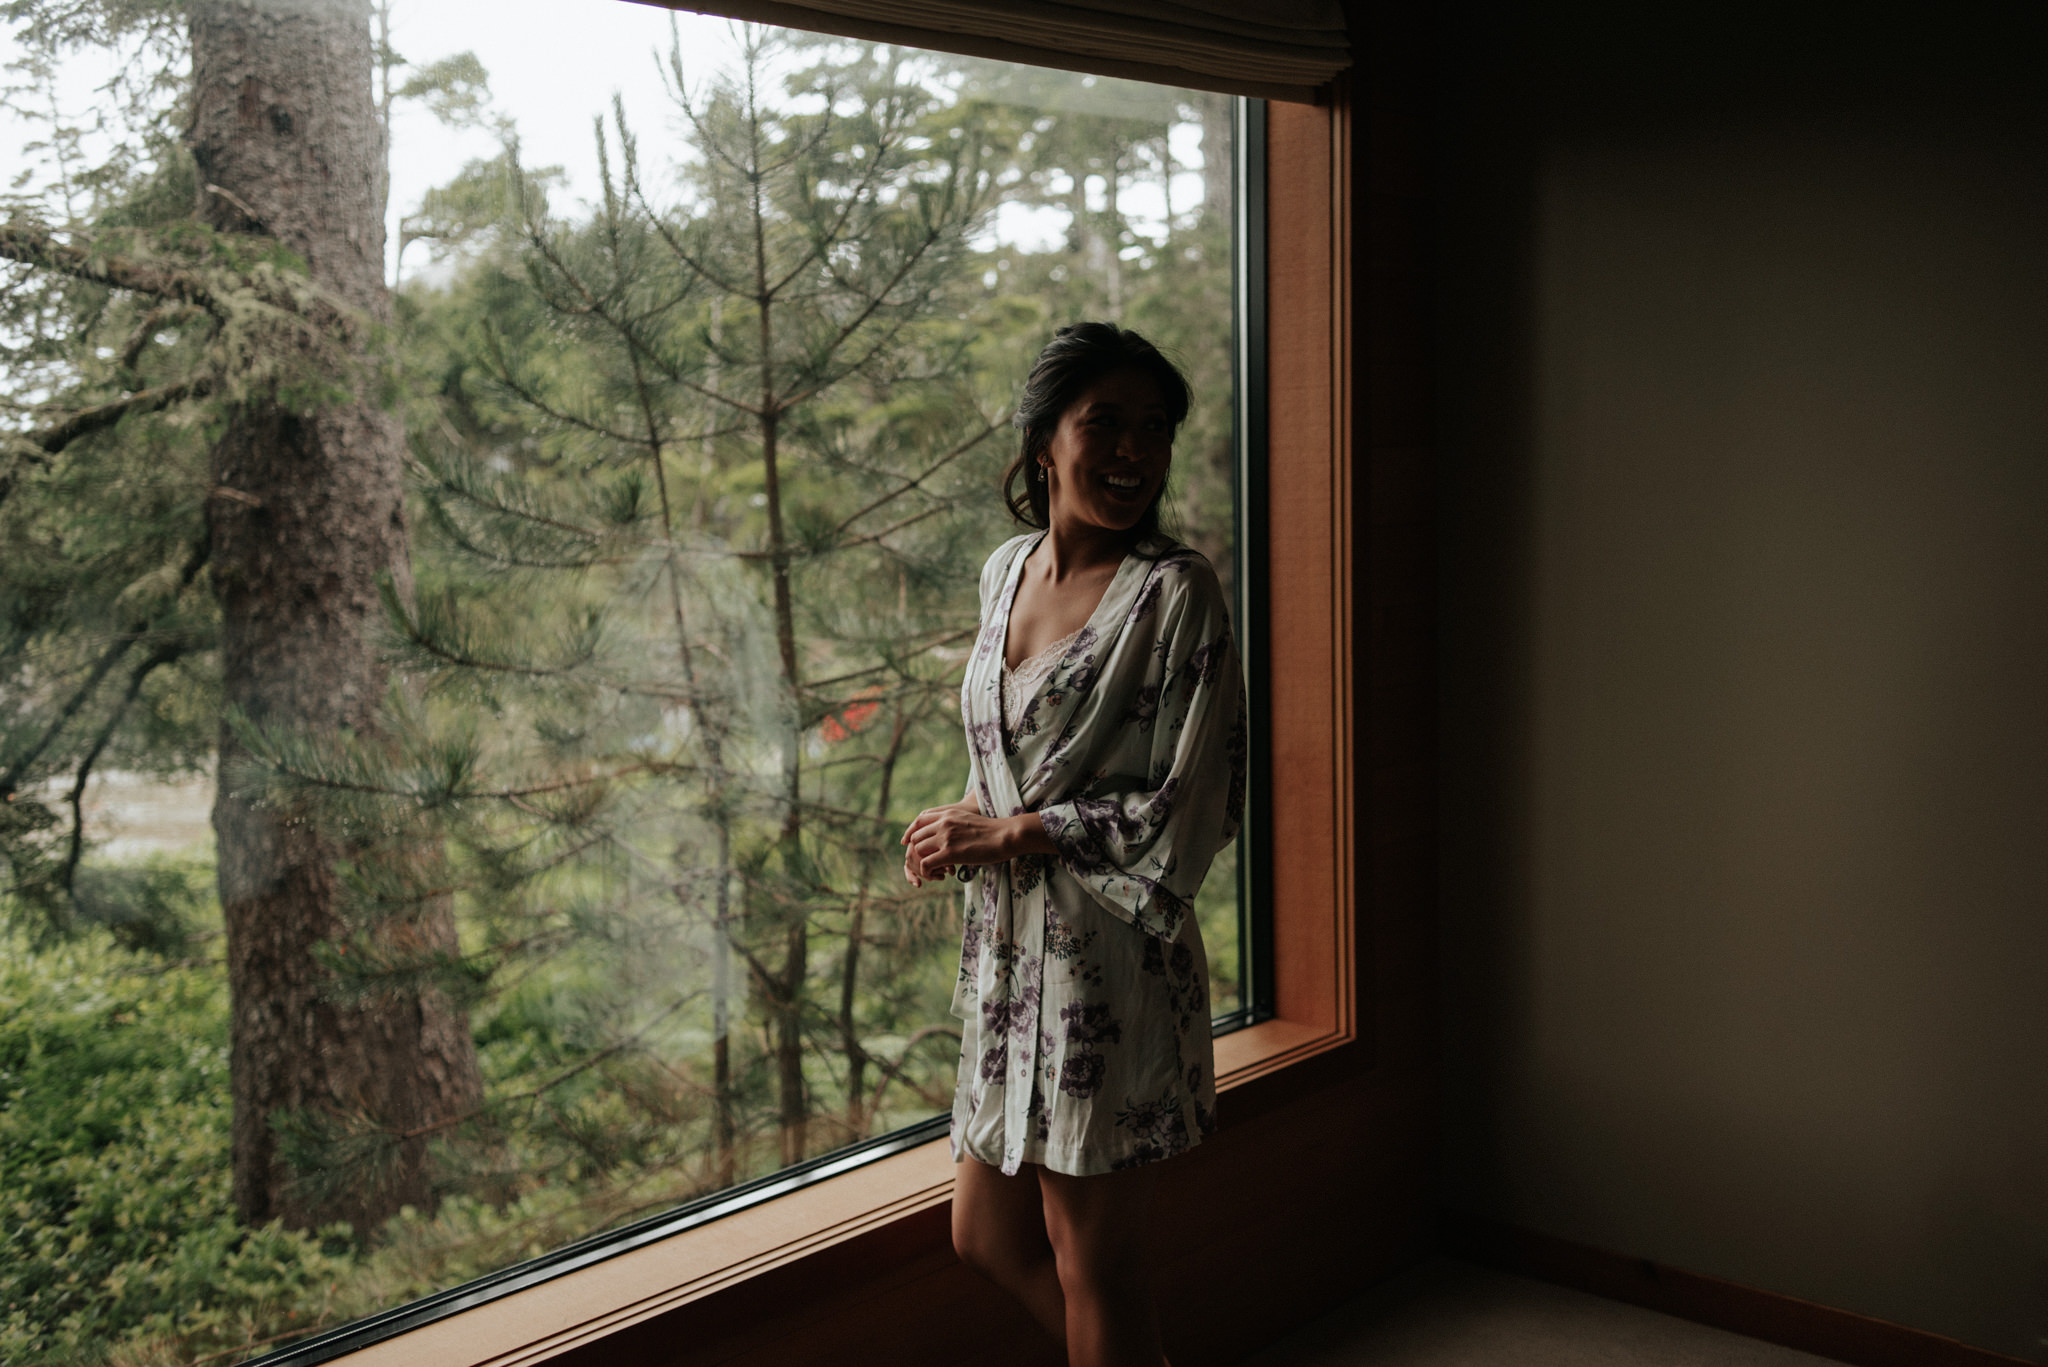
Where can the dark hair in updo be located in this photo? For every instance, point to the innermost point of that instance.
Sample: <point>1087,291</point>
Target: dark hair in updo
<point>1077,356</point>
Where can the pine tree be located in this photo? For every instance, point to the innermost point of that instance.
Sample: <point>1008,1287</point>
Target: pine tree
<point>245,400</point>
<point>698,483</point>
<point>727,438</point>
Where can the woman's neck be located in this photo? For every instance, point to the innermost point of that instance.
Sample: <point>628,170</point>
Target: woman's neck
<point>1079,549</point>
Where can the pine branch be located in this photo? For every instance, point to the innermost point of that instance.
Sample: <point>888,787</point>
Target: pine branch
<point>766,980</point>
<point>873,537</point>
<point>497,556</point>
<point>428,631</point>
<point>35,245</point>
<point>251,218</point>
<point>152,323</point>
<point>594,305</point>
<point>501,372</point>
<point>50,440</point>
<point>10,783</point>
<point>501,868</point>
<point>858,321</point>
<point>281,753</point>
<point>540,1090</point>
<point>822,242</point>
<point>461,480</point>
<point>889,1073</point>
<point>688,258</point>
<point>149,664</point>
<point>941,463</point>
<point>946,640</point>
<point>819,386</point>
<point>37,446</point>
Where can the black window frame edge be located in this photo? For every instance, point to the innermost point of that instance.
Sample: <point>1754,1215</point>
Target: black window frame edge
<point>595,1248</point>
<point>1255,929</point>
<point>1248,366</point>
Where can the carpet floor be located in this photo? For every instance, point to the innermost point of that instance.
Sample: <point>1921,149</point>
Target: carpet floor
<point>1453,1314</point>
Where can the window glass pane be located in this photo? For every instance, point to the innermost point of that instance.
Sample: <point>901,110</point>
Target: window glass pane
<point>460,708</point>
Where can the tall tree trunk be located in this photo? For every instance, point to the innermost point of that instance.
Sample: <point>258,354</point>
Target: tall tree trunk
<point>787,990</point>
<point>725,1126</point>
<point>857,1116</point>
<point>1215,114</point>
<point>794,1107</point>
<point>306,515</point>
<point>1113,261</point>
<point>705,717</point>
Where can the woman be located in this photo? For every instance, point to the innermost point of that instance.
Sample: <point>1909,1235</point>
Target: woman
<point>1106,735</point>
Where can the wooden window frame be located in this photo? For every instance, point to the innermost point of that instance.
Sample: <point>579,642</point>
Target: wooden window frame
<point>812,1275</point>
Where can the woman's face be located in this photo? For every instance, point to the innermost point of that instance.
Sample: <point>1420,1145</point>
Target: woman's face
<point>1109,454</point>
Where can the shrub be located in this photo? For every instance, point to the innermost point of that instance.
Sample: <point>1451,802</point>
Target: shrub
<point>115,1210</point>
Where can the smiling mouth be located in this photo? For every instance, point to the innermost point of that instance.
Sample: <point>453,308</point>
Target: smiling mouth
<point>1128,484</point>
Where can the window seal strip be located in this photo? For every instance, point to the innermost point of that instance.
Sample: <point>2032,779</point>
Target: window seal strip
<point>1248,364</point>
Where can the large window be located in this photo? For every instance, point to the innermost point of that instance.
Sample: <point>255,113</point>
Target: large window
<point>557,794</point>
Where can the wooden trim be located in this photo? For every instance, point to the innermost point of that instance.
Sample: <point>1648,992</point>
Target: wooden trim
<point>1308,611</point>
<point>796,1278</point>
<point>1256,1051</point>
<point>785,14</point>
<point>1786,1321</point>
<point>592,1303</point>
<point>865,1211</point>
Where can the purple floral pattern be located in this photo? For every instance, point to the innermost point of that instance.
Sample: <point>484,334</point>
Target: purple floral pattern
<point>1158,1128</point>
<point>1144,709</point>
<point>1083,992</point>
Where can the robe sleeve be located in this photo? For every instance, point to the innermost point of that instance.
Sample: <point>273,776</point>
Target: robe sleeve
<point>1143,848</point>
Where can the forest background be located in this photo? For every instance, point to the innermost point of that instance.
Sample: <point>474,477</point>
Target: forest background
<point>569,631</point>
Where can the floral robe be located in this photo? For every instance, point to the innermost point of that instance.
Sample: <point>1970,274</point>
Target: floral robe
<point>1083,989</point>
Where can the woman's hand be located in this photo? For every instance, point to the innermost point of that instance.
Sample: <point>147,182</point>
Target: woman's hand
<point>959,836</point>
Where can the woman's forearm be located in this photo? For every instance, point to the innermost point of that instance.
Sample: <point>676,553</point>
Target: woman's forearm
<point>1025,834</point>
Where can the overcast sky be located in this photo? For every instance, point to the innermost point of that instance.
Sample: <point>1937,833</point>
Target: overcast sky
<point>551,76</point>
<point>553,66</point>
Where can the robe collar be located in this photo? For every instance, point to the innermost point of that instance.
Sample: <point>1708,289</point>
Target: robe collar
<point>1021,777</point>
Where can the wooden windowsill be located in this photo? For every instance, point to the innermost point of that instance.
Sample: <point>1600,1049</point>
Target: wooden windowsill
<point>1245,1055</point>
<point>590,1303</point>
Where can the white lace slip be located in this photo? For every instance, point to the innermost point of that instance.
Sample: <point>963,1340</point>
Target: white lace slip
<point>1020,683</point>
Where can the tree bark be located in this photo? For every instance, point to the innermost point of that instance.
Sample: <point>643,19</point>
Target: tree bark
<point>307,513</point>
<point>786,991</point>
<point>857,1117</point>
<point>788,998</point>
<point>1217,190</point>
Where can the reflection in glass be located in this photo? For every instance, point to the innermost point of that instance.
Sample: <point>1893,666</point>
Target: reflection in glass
<point>703,411</point>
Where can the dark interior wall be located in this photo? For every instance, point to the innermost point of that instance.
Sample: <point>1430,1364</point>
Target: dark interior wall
<point>1743,421</point>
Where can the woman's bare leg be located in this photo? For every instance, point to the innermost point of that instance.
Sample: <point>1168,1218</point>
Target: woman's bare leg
<point>1098,1229</point>
<point>999,1231</point>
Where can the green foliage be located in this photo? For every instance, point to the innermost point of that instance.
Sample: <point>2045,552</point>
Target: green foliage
<point>455,89</point>
<point>104,625</point>
<point>701,480</point>
<point>114,1164</point>
<point>91,162</point>
<point>163,906</point>
<point>659,448</point>
<point>120,1240</point>
<point>483,197</point>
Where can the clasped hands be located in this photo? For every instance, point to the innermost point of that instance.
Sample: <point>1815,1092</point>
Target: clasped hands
<point>957,835</point>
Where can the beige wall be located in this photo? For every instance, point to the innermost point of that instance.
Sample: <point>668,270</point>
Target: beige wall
<point>1745,513</point>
